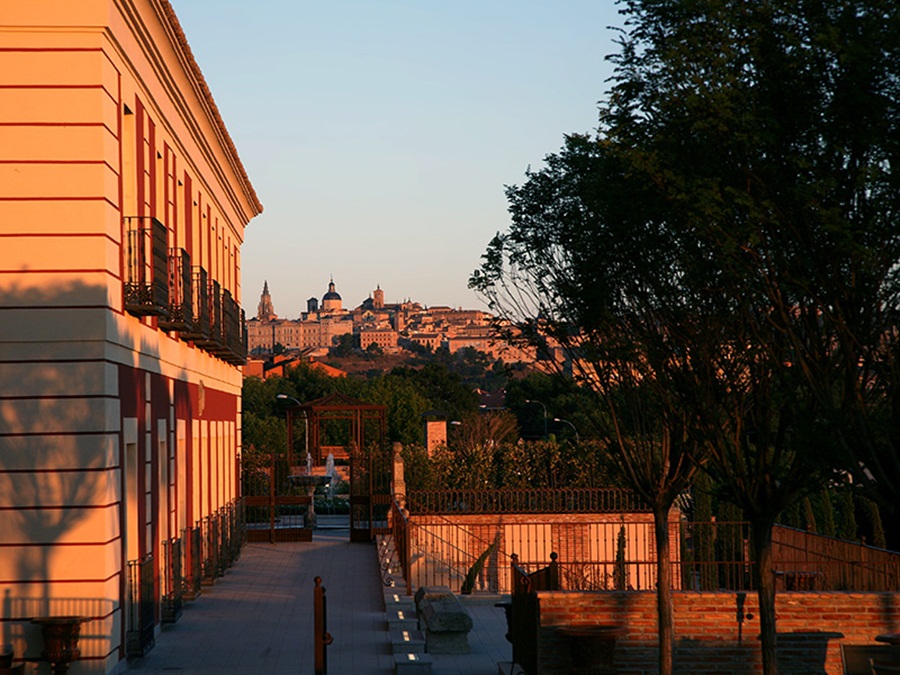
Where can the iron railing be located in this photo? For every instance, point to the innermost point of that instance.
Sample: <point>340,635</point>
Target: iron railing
<point>180,315</point>
<point>146,282</point>
<point>221,536</point>
<point>172,581</point>
<point>566,500</point>
<point>811,561</point>
<point>231,330</point>
<point>216,340</point>
<point>209,526</point>
<point>245,336</point>
<point>199,327</point>
<point>607,554</point>
<point>141,607</point>
<point>193,562</point>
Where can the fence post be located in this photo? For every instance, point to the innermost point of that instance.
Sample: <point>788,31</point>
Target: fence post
<point>321,637</point>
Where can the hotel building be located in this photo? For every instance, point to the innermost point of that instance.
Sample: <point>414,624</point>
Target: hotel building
<point>123,205</point>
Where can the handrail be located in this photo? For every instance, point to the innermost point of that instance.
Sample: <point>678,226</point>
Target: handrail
<point>463,556</point>
<point>469,534</point>
<point>405,544</point>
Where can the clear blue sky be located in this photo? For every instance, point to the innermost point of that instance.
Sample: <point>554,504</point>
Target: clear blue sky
<point>379,134</point>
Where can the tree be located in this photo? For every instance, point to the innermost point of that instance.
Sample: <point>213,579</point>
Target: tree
<point>771,130</point>
<point>728,245</point>
<point>581,269</point>
<point>344,345</point>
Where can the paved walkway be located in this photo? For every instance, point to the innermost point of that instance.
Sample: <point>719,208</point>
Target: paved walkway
<point>258,618</point>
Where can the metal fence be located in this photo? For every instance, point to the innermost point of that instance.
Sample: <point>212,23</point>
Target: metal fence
<point>567,500</point>
<point>606,553</point>
<point>806,560</point>
<point>141,607</point>
<point>193,562</point>
<point>173,582</point>
<point>222,534</point>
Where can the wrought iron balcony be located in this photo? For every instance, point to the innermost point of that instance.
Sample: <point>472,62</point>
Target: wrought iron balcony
<point>214,340</point>
<point>198,330</point>
<point>216,320</point>
<point>181,303</point>
<point>146,282</point>
<point>232,328</point>
<point>141,607</point>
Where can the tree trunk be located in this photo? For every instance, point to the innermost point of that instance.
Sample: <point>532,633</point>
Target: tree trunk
<point>764,577</point>
<point>664,608</point>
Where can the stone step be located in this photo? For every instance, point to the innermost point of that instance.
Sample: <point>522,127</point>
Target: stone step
<point>412,664</point>
<point>408,641</point>
<point>399,619</point>
<point>394,600</point>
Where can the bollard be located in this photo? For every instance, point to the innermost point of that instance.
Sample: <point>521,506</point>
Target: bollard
<point>321,637</point>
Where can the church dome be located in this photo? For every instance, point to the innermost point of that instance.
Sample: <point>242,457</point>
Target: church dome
<point>331,300</point>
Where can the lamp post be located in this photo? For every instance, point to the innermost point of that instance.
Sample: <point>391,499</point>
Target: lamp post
<point>562,421</point>
<point>528,400</point>
<point>290,430</point>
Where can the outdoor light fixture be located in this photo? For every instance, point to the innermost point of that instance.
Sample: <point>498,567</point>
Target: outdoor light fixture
<point>562,421</point>
<point>528,400</point>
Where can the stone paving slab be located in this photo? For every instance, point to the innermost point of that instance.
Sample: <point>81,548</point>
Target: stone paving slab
<point>258,618</point>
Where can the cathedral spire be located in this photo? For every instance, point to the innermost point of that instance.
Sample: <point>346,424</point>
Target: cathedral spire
<point>266,310</point>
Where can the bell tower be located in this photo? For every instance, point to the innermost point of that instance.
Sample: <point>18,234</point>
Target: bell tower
<point>265,311</point>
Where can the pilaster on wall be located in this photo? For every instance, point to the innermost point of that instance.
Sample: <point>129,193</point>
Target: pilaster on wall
<point>718,632</point>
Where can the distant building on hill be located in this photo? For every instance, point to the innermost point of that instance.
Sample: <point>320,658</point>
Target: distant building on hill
<point>390,326</point>
<point>315,328</point>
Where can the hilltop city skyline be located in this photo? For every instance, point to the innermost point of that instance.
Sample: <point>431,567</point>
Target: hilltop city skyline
<point>373,323</point>
<point>251,299</point>
<point>380,136</point>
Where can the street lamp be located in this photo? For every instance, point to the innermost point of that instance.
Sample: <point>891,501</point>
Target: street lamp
<point>528,400</point>
<point>562,421</point>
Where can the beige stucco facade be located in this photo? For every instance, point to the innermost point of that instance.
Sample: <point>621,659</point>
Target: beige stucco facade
<point>123,205</point>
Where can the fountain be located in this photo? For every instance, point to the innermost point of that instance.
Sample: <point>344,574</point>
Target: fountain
<point>310,482</point>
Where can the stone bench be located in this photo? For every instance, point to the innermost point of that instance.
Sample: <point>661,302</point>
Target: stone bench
<point>425,594</point>
<point>444,619</point>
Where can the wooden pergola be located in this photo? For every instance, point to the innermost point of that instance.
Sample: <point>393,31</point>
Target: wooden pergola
<point>338,407</point>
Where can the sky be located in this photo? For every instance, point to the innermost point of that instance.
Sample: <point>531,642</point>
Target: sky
<point>379,134</point>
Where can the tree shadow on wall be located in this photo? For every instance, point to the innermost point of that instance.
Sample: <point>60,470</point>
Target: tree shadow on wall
<point>60,479</point>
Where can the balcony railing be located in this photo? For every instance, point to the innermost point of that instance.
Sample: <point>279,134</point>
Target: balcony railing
<point>181,308</point>
<point>245,336</point>
<point>214,340</point>
<point>193,562</point>
<point>139,635</point>
<point>235,351</point>
<point>198,330</point>
<point>146,282</point>
<point>172,581</point>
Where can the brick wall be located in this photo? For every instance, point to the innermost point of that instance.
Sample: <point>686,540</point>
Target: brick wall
<point>717,633</point>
